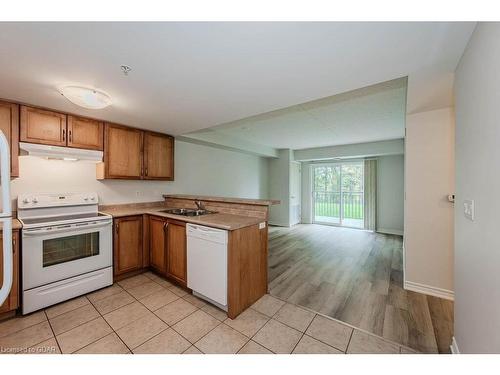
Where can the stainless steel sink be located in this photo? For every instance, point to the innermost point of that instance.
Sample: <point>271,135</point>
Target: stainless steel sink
<point>188,212</point>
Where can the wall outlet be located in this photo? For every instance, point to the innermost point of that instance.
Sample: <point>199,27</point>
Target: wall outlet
<point>469,209</point>
<point>138,193</point>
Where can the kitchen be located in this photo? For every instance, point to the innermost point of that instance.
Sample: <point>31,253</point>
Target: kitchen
<point>71,245</point>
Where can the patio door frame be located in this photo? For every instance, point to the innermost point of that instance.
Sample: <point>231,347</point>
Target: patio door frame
<point>341,209</point>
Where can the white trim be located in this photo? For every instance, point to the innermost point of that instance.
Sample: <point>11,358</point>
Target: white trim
<point>454,346</point>
<point>430,290</point>
<point>276,224</point>
<point>390,231</point>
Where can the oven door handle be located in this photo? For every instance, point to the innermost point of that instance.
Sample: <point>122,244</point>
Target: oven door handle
<point>62,229</point>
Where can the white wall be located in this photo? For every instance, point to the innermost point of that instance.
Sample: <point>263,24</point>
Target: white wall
<point>390,194</point>
<point>429,178</point>
<point>198,170</point>
<point>279,187</point>
<point>477,243</point>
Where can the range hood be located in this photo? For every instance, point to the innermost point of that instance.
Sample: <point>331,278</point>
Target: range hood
<point>62,153</point>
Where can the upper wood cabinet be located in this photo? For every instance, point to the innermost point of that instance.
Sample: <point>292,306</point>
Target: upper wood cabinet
<point>158,156</point>
<point>9,125</point>
<point>177,251</point>
<point>131,153</point>
<point>127,244</point>
<point>58,129</point>
<point>85,133</point>
<point>122,153</point>
<point>42,126</point>
<point>157,244</point>
<point>12,301</point>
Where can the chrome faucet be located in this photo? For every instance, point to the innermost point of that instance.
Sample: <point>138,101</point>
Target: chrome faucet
<point>200,205</point>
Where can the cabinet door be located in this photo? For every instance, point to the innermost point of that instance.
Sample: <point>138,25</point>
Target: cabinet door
<point>9,125</point>
<point>122,152</point>
<point>127,244</point>
<point>158,156</point>
<point>157,244</point>
<point>41,126</point>
<point>85,133</point>
<point>12,301</point>
<point>176,251</point>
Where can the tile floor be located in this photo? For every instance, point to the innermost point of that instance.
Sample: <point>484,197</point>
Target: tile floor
<point>146,314</point>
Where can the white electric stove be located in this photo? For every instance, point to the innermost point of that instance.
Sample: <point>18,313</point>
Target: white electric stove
<point>67,247</point>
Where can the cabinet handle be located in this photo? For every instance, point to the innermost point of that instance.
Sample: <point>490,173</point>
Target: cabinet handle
<point>116,228</point>
<point>70,136</point>
<point>165,225</point>
<point>13,245</point>
<point>146,171</point>
<point>64,135</point>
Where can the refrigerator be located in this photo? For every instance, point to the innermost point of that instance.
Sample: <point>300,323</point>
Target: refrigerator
<point>5,217</point>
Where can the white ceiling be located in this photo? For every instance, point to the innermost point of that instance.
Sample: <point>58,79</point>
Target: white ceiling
<point>370,114</point>
<point>189,76</point>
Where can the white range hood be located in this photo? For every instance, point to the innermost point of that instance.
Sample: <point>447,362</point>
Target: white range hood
<point>62,153</point>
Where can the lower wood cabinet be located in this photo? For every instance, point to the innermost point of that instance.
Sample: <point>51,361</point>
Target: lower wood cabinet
<point>128,244</point>
<point>12,301</point>
<point>167,248</point>
<point>176,251</point>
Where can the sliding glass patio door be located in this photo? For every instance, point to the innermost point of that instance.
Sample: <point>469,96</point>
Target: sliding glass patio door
<point>337,194</point>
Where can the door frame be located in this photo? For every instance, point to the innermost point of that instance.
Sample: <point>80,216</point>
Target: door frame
<point>341,208</point>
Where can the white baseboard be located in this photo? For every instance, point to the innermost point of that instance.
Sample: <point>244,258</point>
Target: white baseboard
<point>276,224</point>
<point>454,346</point>
<point>390,231</point>
<point>430,290</point>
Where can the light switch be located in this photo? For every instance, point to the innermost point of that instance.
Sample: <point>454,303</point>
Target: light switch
<point>469,209</point>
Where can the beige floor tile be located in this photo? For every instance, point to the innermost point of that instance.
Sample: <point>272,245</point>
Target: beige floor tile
<point>192,350</point>
<point>294,317</point>
<point>248,322</point>
<point>73,318</point>
<point>363,343</point>
<point>110,344</point>
<point>46,347</point>
<point>105,292</point>
<point>141,330</point>
<point>159,299</point>
<point>196,325</point>
<point>167,342</point>
<point>145,289</point>
<point>215,312</point>
<point>175,311</point>
<point>330,332</point>
<point>150,275</point>
<point>83,335</point>
<point>222,340</point>
<point>252,347</point>
<point>404,350</point>
<point>308,345</point>
<point>19,323</point>
<point>278,337</point>
<point>113,302</point>
<point>198,302</point>
<point>125,315</point>
<point>28,337</point>
<point>268,305</point>
<point>177,290</point>
<point>64,307</point>
<point>133,281</point>
<point>163,283</point>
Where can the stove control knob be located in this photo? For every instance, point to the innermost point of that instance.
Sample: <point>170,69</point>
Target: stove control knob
<point>35,200</point>
<point>92,198</point>
<point>86,199</point>
<point>26,200</point>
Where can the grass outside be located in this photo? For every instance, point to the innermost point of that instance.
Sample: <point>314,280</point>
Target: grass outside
<point>328,209</point>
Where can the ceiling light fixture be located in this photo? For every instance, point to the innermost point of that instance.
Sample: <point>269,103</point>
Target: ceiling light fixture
<point>86,98</point>
<point>125,69</point>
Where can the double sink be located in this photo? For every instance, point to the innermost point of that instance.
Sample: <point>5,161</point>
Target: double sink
<point>188,212</point>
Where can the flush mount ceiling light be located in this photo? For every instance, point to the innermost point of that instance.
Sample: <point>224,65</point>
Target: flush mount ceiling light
<point>85,97</point>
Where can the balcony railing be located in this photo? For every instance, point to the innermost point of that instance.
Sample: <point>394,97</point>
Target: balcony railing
<point>327,204</point>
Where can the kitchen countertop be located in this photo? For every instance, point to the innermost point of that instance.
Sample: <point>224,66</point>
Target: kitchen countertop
<point>256,202</point>
<point>16,224</point>
<point>219,220</point>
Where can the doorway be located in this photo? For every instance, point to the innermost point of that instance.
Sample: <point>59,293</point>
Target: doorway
<point>338,194</point>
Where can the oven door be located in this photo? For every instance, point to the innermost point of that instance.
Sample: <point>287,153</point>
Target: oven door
<point>56,253</point>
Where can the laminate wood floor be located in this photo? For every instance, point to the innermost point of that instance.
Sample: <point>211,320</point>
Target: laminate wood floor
<point>357,277</point>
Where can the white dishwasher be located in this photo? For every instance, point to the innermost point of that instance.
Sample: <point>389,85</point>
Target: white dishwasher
<point>207,263</point>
